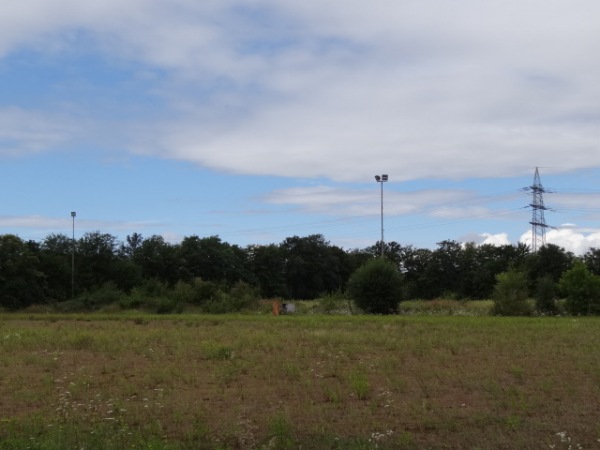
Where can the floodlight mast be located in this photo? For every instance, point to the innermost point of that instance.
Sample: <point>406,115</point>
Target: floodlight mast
<point>73,214</point>
<point>381,179</point>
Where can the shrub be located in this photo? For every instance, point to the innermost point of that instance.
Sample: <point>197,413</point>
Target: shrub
<point>328,303</point>
<point>581,289</point>
<point>106,294</point>
<point>168,305</point>
<point>204,291</point>
<point>183,292</point>
<point>510,294</point>
<point>239,297</point>
<point>244,294</point>
<point>376,287</point>
<point>147,295</point>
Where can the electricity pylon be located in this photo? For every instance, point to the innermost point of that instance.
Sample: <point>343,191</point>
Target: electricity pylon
<point>538,221</point>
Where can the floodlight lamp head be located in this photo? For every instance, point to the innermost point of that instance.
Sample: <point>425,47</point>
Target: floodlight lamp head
<point>377,178</point>
<point>384,177</point>
<point>73,213</point>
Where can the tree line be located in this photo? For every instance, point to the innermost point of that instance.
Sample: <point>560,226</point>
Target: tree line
<point>209,271</point>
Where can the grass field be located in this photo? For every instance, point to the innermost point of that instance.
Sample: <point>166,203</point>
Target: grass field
<point>298,382</point>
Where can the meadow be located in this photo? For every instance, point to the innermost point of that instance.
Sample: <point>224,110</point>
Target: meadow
<point>115,381</point>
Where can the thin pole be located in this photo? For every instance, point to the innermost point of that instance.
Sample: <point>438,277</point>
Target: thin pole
<point>73,214</point>
<point>381,179</point>
<point>382,246</point>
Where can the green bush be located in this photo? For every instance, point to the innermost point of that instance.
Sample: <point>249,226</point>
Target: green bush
<point>168,305</point>
<point>183,292</point>
<point>510,294</point>
<point>106,294</point>
<point>241,296</point>
<point>376,287</point>
<point>329,303</point>
<point>245,295</point>
<point>146,296</point>
<point>204,291</point>
<point>581,289</point>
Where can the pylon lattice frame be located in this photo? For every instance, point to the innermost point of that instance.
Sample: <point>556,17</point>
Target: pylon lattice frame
<point>538,221</point>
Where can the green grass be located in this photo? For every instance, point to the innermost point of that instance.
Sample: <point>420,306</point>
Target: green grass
<point>307,381</point>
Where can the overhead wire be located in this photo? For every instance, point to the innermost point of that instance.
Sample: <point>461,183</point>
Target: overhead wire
<point>402,212</point>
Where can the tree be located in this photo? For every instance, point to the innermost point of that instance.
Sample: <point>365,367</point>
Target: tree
<point>581,289</point>
<point>211,259</point>
<point>132,245</point>
<point>55,256</point>
<point>267,265</point>
<point>413,266</point>
<point>21,281</point>
<point>510,294</point>
<point>159,260</point>
<point>376,287</point>
<point>312,267</point>
<point>545,296</point>
<point>592,260</point>
<point>550,260</point>
<point>95,258</point>
<point>481,263</point>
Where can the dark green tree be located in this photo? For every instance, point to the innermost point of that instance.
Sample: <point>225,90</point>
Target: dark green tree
<point>95,260</point>
<point>592,260</point>
<point>130,247</point>
<point>414,264</point>
<point>550,260</point>
<point>442,274</point>
<point>213,260</point>
<point>55,257</point>
<point>311,267</point>
<point>267,265</point>
<point>376,287</point>
<point>159,260</point>
<point>481,263</point>
<point>545,296</point>
<point>21,282</point>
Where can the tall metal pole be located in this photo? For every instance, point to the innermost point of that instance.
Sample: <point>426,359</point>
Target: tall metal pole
<point>381,219</point>
<point>381,179</point>
<point>73,214</point>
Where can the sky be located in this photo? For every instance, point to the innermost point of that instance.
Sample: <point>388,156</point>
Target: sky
<point>258,120</point>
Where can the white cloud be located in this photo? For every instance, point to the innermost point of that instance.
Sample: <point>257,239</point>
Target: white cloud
<point>341,89</point>
<point>574,239</point>
<point>438,203</point>
<point>23,132</point>
<point>498,239</point>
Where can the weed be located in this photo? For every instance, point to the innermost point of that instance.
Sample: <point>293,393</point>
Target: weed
<point>281,433</point>
<point>517,372</point>
<point>514,421</point>
<point>359,384</point>
<point>216,352</point>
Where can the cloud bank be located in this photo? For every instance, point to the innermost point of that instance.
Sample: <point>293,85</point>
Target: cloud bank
<point>328,89</point>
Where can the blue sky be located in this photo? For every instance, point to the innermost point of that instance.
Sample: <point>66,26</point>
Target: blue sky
<point>259,120</point>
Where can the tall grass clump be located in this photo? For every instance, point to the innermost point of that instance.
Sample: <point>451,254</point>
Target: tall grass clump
<point>332,303</point>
